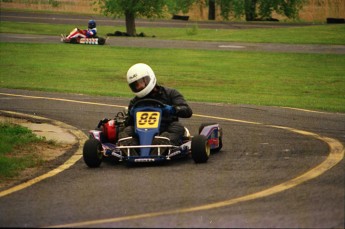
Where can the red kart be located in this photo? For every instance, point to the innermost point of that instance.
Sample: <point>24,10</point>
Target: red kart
<point>84,40</point>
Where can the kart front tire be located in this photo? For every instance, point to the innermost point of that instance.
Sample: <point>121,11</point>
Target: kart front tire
<point>92,153</point>
<point>200,149</point>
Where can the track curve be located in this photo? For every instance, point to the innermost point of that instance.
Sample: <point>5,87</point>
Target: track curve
<point>262,158</point>
<point>279,167</point>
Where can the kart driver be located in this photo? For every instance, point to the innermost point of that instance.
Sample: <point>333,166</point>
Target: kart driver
<point>142,81</point>
<point>88,33</point>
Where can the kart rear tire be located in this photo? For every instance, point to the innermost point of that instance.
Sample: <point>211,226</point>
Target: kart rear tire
<point>202,125</point>
<point>216,150</point>
<point>92,153</point>
<point>200,149</point>
<point>220,137</point>
<point>101,41</point>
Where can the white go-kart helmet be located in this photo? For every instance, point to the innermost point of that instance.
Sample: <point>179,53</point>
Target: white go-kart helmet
<point>141,73</point>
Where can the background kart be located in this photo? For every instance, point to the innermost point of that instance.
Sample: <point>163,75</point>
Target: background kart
<point>83,40</point>
<point>152,148</point>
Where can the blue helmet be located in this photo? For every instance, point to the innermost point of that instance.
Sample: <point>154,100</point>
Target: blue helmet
<point>91,24</point>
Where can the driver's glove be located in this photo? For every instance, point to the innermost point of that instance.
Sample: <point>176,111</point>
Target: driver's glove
<point>169,109</point>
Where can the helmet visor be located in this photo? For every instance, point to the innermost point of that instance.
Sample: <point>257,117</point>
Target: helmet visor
<point>140,84</point>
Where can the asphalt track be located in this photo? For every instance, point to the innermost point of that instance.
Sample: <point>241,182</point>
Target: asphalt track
<point>279,168</point>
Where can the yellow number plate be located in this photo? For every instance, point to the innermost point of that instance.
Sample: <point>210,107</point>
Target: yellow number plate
<point>147,119</point>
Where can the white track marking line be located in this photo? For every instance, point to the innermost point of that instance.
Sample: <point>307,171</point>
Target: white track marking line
<point>231,46</point>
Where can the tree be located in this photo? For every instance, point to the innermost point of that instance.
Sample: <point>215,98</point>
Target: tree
<point>132,9</point>
<point>211,10</point>
<point>252,9</point>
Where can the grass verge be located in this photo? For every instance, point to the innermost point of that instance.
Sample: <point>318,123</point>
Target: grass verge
<point>310,81</point>
<point>17,150</point>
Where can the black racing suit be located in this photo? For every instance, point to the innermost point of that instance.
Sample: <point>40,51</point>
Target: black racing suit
<point>170,125</point>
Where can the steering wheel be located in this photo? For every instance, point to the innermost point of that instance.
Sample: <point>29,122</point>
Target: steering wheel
<point>152,102</point>
<point>145,102</point>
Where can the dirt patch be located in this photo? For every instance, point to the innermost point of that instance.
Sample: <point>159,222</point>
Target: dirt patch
<point>49,153</point>
<point>45,152</point>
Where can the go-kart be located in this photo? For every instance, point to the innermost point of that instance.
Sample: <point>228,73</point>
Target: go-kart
<point>103,142</point>
<point>95,40</point>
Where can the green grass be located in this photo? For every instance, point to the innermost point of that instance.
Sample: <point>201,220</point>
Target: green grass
<point>316,34</point>
<point>310,81</point>
<point>14,146</point>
